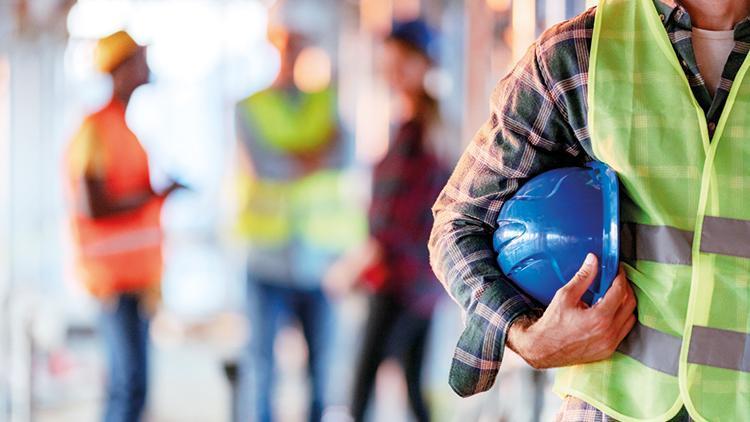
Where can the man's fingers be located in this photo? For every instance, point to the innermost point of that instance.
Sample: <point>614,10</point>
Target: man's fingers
<point>577,286</point>
<point>625,328</point>
<point>627,307</point>
<point>614,296</point>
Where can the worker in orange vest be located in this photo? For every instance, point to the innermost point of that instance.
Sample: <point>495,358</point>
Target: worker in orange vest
<point>116,225</point>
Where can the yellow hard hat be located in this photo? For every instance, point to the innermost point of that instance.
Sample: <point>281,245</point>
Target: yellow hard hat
<point>114,49</point>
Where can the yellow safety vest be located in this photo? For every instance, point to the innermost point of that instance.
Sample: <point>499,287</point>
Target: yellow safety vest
<point>292,126</point>
<point>686,217</point>
<point>314,209</point>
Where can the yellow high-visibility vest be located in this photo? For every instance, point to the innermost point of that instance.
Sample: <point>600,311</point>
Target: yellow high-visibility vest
<point>686,217</point>
<point>313,209</point>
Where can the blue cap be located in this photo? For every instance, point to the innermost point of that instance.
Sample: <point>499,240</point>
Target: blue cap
<point>417,34</point>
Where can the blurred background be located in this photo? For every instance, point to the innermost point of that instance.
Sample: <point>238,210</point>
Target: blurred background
<point>205,56</point>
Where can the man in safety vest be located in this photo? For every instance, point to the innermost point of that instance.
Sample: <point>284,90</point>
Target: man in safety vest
<point>296,218</point>
<point>115,221</point>
<point>658,91</point>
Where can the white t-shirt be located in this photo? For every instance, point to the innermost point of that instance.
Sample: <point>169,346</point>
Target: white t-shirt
<point>712,50</point>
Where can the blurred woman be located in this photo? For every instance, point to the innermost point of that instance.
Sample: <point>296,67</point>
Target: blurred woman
<point>394,262</point>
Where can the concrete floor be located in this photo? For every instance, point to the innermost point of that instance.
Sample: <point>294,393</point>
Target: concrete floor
<point>188,383</point>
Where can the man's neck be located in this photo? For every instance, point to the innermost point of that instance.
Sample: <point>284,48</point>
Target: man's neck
<point>123,96</point>
<point>716,15</point>
<point>283,84</point>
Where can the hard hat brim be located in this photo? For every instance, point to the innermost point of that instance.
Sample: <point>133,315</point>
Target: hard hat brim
<point>610,254</point>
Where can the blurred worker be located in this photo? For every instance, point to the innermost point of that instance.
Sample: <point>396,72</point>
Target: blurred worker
<point>658,90</point>
<point>294,215</point>
<point>116,225</point>
<point>395,261</point>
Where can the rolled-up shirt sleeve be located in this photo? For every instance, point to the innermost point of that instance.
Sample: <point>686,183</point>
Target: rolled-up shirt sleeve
<point>526,134</point>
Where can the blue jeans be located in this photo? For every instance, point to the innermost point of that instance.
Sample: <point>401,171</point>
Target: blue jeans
<point>270,306</point>
<point>124,329</point>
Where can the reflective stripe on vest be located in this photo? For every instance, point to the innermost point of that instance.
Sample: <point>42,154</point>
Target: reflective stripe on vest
<point>124,242</point>
<point>720,348</point>
<point>317,209</point>
<point>726,236</point>
<point>653,348</point>
<point>670,245</point>
<point>264,216</point>
<point>686,236</point>
<point>708,346</point>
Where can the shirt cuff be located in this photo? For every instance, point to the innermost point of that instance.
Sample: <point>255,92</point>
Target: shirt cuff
<point>479,352</point>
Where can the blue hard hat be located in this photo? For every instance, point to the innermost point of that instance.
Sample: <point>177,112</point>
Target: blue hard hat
<point>546,229</point>
<point>418,34</point>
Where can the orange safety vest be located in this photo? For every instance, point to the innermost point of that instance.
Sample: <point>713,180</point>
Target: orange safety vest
<point>120,253</point>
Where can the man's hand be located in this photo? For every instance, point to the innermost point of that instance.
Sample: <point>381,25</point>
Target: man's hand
<point>340,278</point>
<point>174,186</point>
<point>345,273</point>
<point>570,332</point>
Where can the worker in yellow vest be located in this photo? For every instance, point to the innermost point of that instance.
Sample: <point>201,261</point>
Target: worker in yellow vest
<point>116,226</point>
<point>296,218</point>
<point>658,91</point>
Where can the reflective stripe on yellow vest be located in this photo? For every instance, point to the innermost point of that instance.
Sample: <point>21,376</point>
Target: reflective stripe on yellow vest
<point>317,209</point>
<point>327,216</point>
<point>686,228</point>
<point>265,216</point>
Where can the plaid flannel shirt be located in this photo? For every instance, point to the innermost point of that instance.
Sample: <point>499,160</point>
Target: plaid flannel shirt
<point>537,123</point>
<point>576,410</point>
<point>400,218</point>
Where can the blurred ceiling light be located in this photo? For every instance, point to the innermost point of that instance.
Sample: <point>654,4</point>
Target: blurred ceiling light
<point>97,18</point>
<point>554,12</point>
<point>44,12</point>
<point>312,70</point>
<point>244,25</point>
<point>376,15</point>
<point>503,5</point>
<point>185,36</point>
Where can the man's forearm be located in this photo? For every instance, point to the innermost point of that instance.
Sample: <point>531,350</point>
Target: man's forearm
<point>518,328</point>
<point>461,257</point>
<point>99,203</point>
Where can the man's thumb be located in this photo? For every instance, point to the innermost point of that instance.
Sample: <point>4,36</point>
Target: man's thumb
<point>577,286</point>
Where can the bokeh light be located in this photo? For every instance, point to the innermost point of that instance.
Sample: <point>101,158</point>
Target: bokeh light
<point>312,70</point>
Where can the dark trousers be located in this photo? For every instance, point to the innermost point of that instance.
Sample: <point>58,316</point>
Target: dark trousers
<point>272,305</point>
<point>124,329</point>
<point>391,330</point>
